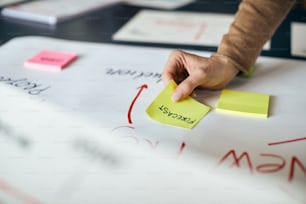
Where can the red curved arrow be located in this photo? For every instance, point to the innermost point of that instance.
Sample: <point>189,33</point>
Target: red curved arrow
<point>141,88</point>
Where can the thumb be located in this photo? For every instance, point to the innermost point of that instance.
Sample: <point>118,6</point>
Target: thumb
<point>184,89</point>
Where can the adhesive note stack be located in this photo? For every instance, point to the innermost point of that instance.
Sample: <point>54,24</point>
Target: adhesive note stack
<point>243,103</point>
<point>50,60</point>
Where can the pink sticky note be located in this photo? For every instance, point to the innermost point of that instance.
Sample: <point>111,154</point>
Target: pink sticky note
<point>52,61</point>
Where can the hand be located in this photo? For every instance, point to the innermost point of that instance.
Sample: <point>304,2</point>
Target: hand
<point>190,71</point>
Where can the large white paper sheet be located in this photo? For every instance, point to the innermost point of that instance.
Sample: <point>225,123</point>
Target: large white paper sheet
<point>176,27</point>
<point>223,158</point>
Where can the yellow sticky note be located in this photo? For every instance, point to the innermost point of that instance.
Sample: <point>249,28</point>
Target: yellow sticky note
<point>186,113</point>
<point>244,103</point>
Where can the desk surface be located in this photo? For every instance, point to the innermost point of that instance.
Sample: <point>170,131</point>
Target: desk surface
<point>99,26</point>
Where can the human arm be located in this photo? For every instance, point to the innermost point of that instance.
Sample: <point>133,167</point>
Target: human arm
<point>254,24</point>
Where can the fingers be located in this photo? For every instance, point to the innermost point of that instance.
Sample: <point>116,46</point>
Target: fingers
<point>177,68</point>
<point>174,67</point>
<point>185,88</point>
<point>190,71</point>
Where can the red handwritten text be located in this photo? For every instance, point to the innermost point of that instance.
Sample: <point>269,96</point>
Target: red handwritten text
<point>277,165</point>
<point>287,141</point>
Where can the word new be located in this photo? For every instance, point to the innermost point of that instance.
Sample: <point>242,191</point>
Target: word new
<point>167,112</point>
<point>31,87</point>
<point>266,168</point>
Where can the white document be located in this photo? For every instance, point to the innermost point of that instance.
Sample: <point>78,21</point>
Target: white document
<point>163,4</point>
<point>74,122</point>
<point>54,11</point>
<point>176,27</point>
<point>8,2</point>
<point>298,43</point>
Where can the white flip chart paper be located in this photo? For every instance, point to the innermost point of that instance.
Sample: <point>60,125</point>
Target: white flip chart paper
<point>92,115</point>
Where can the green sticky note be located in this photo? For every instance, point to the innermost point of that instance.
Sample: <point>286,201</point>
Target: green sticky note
<point>243,103</point>
<point>249,73</point>
<point>185,114</point>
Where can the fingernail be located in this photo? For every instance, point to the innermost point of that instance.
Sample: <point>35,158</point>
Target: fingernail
<point>177,95</point>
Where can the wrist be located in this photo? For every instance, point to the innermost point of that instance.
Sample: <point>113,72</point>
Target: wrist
<point>230,64</point>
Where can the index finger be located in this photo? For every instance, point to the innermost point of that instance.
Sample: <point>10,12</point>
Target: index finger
<point>172,69</point>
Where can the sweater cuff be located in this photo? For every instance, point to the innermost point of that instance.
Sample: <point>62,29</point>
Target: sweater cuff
<point>230,62</point>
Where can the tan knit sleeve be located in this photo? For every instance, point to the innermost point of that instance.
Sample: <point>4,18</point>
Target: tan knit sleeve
<point>255,23</point>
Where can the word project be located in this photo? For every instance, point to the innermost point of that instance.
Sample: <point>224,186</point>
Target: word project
<point>24,84</point>
<point>185,114</point>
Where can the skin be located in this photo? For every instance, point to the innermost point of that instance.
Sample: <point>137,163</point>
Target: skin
<point>190,71</point>
<point>238,49</point>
